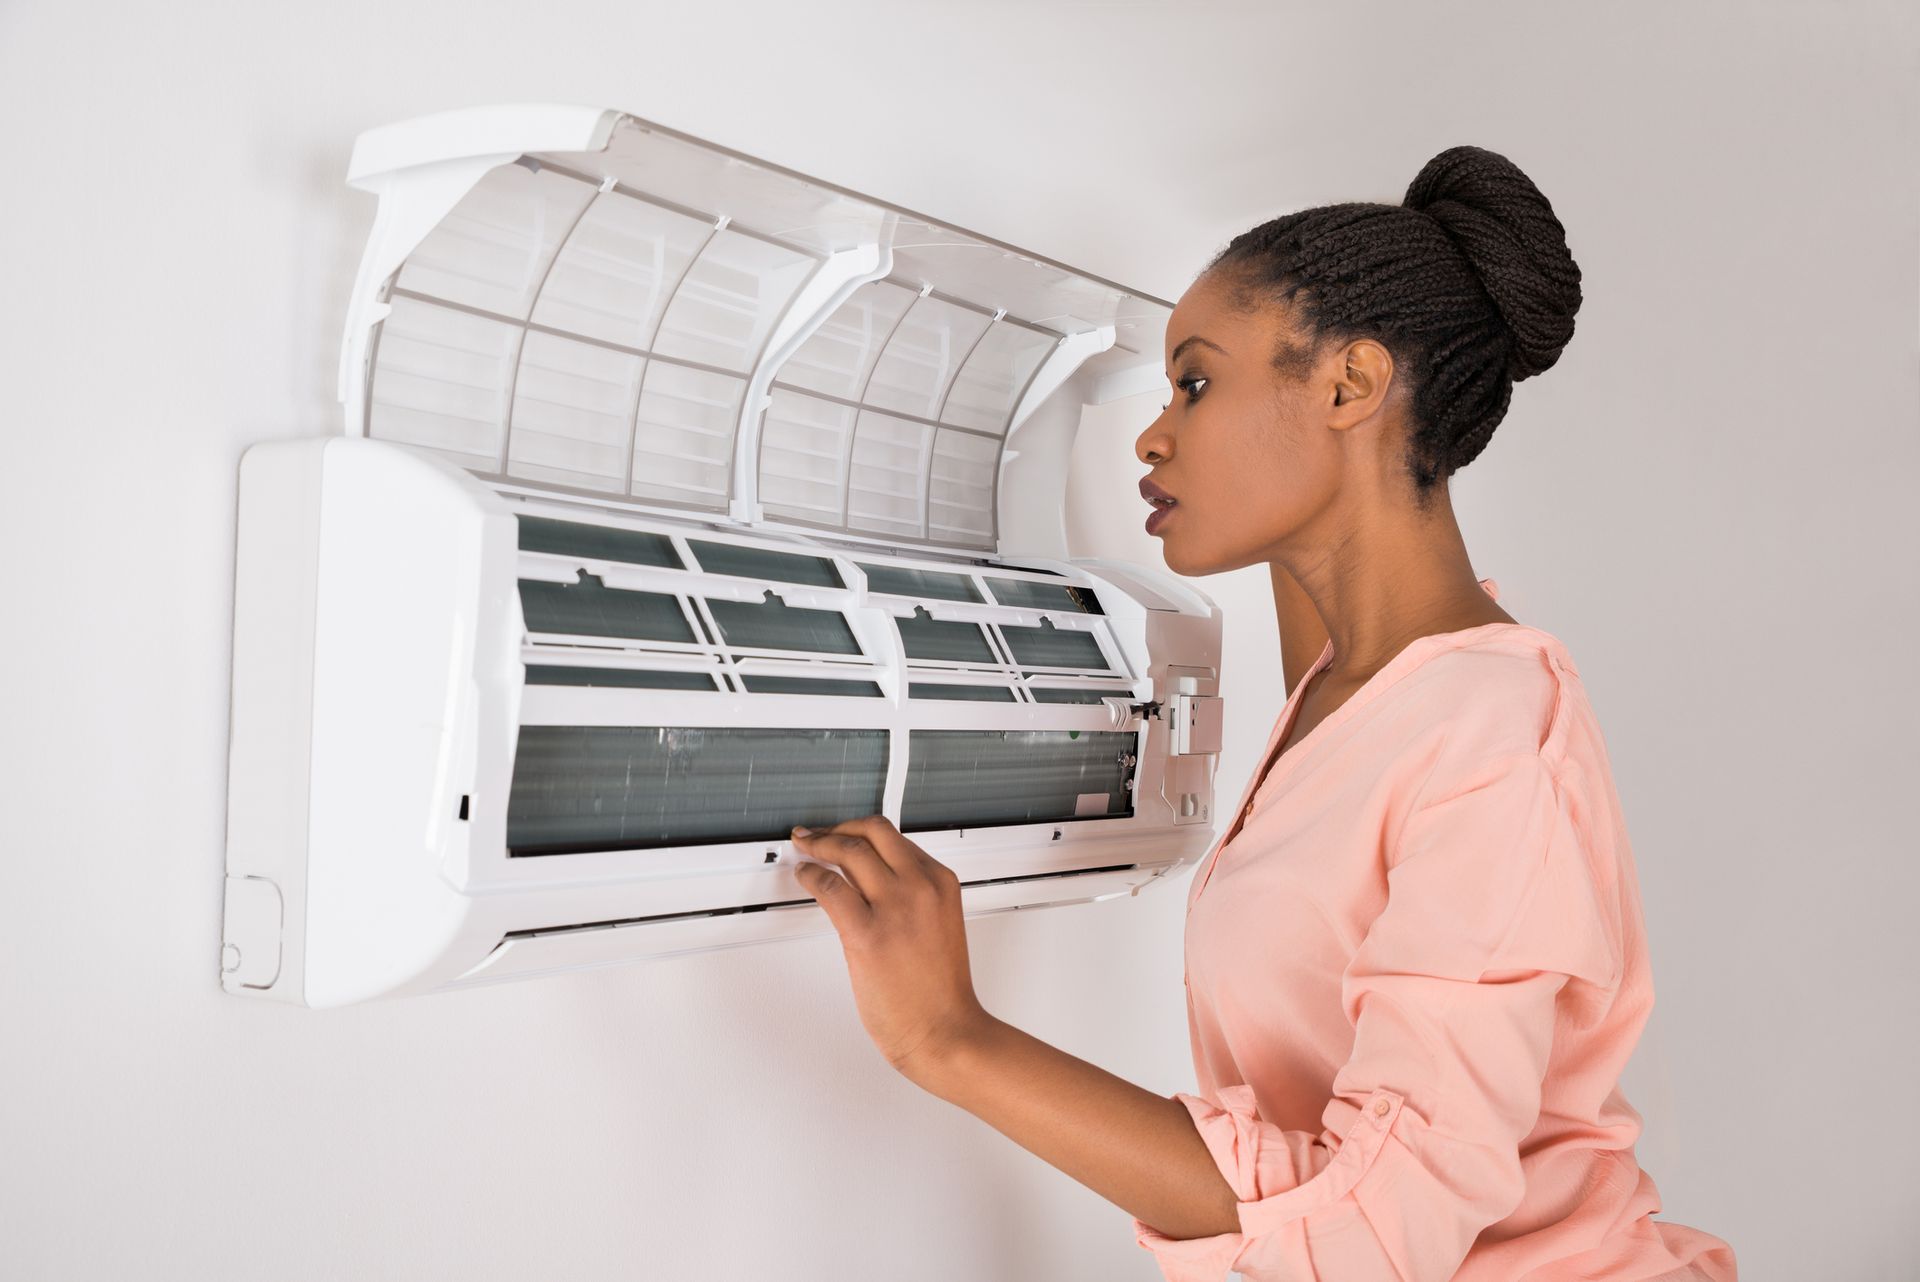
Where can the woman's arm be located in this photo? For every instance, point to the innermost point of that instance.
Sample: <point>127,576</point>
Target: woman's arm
<point>898,913</point>
<point>1302,635</point>
<point>1138,1150</point>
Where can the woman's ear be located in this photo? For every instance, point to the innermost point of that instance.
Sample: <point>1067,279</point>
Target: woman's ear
<point>1361,387</point>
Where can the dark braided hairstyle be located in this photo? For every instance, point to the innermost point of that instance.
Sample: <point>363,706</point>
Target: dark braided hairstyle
<point>1468,282</point>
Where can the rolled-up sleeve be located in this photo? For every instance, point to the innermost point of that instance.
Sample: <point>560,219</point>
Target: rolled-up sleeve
<point>1496,925</point>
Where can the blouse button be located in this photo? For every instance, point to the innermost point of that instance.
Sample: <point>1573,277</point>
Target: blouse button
<point>1380,1108</point>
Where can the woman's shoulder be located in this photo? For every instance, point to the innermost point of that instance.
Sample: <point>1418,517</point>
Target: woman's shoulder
<point>1485,694</point>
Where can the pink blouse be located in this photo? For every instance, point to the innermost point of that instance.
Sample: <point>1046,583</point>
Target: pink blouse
<point>1413,978</point>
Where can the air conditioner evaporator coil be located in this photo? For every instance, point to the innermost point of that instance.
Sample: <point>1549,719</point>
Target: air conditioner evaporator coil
<point>683,499</point>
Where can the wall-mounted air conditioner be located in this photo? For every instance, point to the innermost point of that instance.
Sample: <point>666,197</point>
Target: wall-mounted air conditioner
<point>684,499</point>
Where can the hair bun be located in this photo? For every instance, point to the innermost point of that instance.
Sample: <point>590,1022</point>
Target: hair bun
<point>1508,233</point>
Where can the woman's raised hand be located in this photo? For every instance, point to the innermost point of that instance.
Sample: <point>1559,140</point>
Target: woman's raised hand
<point>898,914</point>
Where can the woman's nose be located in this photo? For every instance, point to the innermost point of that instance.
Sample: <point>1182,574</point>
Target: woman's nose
<point>1155,445</point>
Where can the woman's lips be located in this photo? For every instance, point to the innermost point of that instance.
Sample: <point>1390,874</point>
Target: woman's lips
<point>1163,504</point>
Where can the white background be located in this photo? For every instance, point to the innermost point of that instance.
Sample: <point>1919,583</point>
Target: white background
<point>1711,500</point>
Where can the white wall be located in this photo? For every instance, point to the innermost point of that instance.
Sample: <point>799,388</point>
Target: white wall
<point>1709,500</point>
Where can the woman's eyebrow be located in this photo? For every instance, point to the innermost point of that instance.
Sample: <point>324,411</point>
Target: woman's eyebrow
<point>1190,340</point>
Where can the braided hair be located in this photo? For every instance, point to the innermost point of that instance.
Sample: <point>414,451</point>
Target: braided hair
<point>1468,282</point>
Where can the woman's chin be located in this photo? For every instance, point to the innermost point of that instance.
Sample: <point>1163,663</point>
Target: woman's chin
<point>1190,562</point>
<point>1183,562</point>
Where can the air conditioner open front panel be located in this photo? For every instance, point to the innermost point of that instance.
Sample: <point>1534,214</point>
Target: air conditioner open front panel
<point>643,316</point>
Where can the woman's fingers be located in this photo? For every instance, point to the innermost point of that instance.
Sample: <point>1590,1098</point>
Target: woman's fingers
<point>852,854</point>
<point>899,854</point>
<point>871,862</point>
<point>844,906</point>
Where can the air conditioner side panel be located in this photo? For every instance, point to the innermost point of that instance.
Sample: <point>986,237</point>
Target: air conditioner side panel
<point>374,606</point>
<point>269,739</point>
<point>403,604</point>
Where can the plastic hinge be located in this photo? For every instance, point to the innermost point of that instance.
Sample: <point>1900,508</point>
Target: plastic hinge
<point>1196,724</point>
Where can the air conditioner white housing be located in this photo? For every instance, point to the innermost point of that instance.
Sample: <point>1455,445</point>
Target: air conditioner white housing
<point>684,499</point>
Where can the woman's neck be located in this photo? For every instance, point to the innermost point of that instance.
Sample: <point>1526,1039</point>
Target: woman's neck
<point>1374,590</point>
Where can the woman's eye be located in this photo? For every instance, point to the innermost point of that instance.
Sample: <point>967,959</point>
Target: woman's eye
<point>1191,385</point>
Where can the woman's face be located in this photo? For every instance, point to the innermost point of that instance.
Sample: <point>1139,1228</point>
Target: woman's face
<point>1254,459</point>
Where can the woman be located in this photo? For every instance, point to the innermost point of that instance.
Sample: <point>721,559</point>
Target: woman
<point>1416,963</point>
